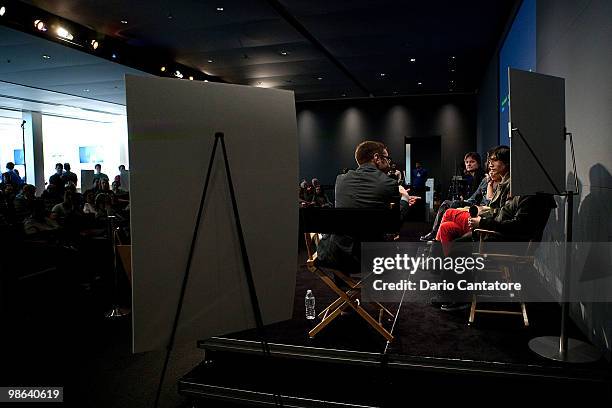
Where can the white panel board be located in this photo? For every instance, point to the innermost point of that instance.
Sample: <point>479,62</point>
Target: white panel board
<point>537,110</point>
<point>171,125</point>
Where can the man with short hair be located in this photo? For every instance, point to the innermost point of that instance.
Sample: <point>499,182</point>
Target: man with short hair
<point>68,176</point>
<point>57,180</point>
<point>368,186</point>
<point>98,175</point>
<point>11,176</point>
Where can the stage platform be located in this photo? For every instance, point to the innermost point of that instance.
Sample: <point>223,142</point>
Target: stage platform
<point>349,364</point>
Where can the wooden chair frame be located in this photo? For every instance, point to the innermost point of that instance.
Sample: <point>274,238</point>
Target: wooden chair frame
<point>348,298</point>
<point>506,273</point>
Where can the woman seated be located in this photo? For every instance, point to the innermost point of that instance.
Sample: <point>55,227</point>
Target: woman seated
<point>455,221</point>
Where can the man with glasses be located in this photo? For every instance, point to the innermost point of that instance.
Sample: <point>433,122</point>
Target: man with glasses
<point>368,186</point>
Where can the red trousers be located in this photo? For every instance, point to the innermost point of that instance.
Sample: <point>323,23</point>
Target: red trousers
<point>454,225</point>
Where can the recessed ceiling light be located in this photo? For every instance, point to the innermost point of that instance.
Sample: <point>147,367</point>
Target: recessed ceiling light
<point>124,21</point>
<point>220,8</point>
<point>419,83</point>
<point>163,69</point>
<point>46,56</point>
<point>320,78</point>
<point>2,11</point>
<point>452,57</point>
<point>382,75</point>
<point>284,53</point>
<point>210,61</point>
<point>412,59</point>
<point>40,25</point>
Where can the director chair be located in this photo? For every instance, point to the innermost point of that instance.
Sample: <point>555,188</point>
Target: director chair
<point>505,265</point>
<point>363,225</point>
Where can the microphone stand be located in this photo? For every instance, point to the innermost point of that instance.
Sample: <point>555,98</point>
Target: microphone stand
<point>25,169</point>
<point>562,348</point>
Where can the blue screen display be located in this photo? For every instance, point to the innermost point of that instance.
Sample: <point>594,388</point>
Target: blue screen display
<point>18,157</point>
<point>518,51</point>
<point>90,154</point>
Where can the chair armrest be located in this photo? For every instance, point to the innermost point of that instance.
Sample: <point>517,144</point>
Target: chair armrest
<point>487,232</point>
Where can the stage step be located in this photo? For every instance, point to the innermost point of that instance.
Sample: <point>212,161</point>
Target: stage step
<point>237,372</point>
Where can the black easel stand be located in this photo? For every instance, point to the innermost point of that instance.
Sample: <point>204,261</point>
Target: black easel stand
<point>245,262</point>
<point>562,348</point>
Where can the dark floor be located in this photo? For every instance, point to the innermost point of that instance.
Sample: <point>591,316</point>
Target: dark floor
<point>54,333</point>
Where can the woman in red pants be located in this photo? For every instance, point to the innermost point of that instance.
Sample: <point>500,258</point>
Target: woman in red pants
<point>455,221</point>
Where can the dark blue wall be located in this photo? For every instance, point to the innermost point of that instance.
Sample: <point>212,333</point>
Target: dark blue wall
<point>328,131</point>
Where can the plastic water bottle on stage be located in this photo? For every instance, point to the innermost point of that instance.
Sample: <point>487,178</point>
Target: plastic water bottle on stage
<point>310,305</point>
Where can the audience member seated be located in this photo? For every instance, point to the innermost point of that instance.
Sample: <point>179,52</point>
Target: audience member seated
<point>90,203</point>
<point>38,223</point>
<point>51,196</point>
<point>24,202</point>
<point>64,211</point>
<point>320,199</point>
<point>306,194</point>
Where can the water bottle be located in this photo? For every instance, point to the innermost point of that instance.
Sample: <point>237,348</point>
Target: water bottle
<point>310,305</point>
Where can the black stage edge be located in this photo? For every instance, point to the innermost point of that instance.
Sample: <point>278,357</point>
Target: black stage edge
<point>236,372</point>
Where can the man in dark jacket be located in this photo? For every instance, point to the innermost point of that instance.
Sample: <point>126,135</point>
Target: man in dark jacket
<point>368,186</point>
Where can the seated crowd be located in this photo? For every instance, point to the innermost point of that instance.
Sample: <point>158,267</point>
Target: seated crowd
<point>60,214</point>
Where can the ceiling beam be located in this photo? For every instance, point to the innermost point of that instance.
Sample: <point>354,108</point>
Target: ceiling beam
<point>289,18</point>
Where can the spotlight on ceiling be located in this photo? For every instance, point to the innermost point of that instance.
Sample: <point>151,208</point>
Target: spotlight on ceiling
<point>2,11</point>
<point>284,53</point>
<point>319,78</point>
<point>178,74</point>
<point>210,61</point>
<point>94,44</point>
<point>124,21</point>
<point>64,34</point>
<point>46,56</point>
<point>412,59</point>
<point>40,25</point>
<point>220,9</point>
<point>419,83</point>
<point>382,75</point>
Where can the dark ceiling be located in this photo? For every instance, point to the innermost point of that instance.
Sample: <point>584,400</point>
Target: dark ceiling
<point>320,49</point>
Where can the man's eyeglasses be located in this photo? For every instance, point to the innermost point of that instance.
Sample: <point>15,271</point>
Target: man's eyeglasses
<point>388,158</point>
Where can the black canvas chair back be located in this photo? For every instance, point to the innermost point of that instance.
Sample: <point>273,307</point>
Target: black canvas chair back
<point>363,224</point>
